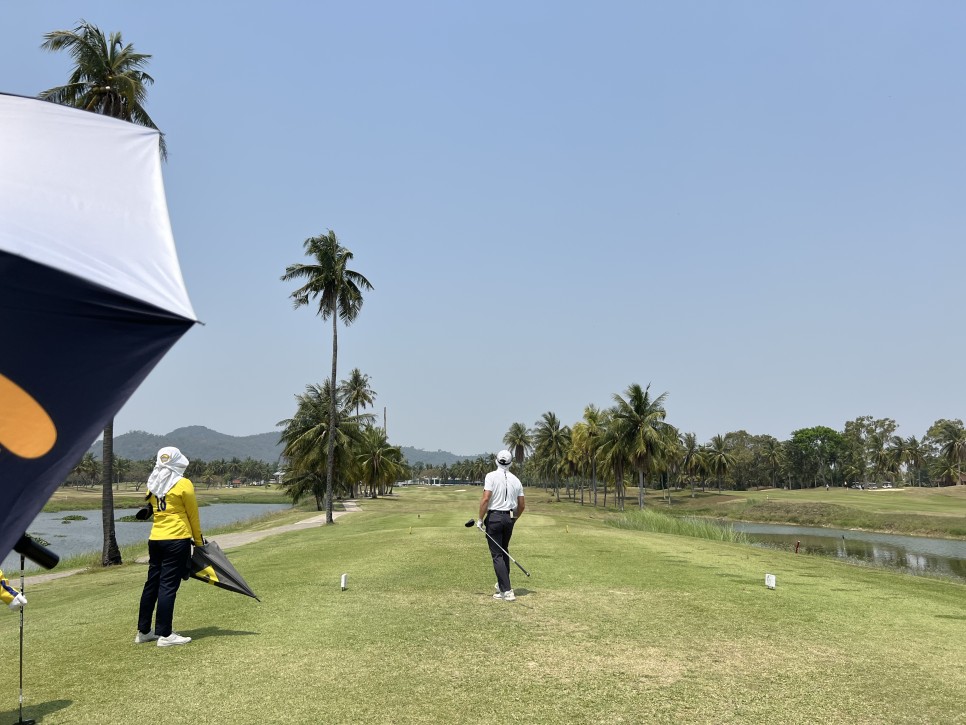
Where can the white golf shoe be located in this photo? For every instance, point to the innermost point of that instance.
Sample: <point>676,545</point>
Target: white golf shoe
<point>172,639</point>
<point>140,637</point>
<point>509,596</point>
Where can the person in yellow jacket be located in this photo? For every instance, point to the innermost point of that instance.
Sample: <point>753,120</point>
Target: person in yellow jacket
<point>10,596</point>
<point>176,527</point>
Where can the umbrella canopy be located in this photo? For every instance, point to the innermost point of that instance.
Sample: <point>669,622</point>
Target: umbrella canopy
<point>91,293</point>
<point>210,565</point>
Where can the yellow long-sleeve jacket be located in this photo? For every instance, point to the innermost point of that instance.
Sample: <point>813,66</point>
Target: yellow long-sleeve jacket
<point>176,514</point>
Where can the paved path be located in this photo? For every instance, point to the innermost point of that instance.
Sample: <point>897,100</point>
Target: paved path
<point>225,541</point>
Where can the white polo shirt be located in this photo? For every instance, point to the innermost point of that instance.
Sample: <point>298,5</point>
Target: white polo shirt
<point>504,489</point>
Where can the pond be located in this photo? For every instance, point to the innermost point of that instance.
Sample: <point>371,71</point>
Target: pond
<point>913,554</point>
<point>71,538</point>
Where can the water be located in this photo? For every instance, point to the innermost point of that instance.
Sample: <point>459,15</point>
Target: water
<point>913,554</point>
<point>73,538</point>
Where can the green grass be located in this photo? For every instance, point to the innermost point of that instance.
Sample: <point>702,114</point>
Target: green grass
<point>912,511</point>
<point>615,626</point>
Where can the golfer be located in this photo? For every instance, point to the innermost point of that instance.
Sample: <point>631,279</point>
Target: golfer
<point>502,504</point>
<point>176,526</point>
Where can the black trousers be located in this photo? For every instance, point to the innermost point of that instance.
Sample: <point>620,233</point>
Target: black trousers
<point>167,565</point>
<point>499,526</point>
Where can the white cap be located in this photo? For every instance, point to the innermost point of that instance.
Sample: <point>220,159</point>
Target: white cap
<point>504,458</point>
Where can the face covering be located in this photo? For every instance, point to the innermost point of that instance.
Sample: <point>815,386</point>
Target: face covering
<point>168,470</point>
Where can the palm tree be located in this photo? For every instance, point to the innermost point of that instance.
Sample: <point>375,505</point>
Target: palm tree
<point>306,437</point>
<point>773,456</point>
<point>107,78</point>
<point>378,462</point>
<point>87,468</point>
<point>915,457</point>
<point>551,441</point>
<point>640,423</point>
<point>689,452</point>
<point>952,450</point>
<point>339,293</point>
<point>719,457</point>
<point>595,421</point>
<point>518,440</point>
<point>356,390</point>
<point>896,456</point>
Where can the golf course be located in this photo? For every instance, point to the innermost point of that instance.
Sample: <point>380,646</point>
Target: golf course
<point>615,625</point>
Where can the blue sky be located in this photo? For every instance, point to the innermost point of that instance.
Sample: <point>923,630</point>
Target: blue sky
<point>755,207</point>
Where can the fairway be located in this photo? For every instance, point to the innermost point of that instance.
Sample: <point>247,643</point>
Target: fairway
<point>614,626</point>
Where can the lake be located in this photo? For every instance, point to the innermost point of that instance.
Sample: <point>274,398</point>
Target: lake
<point>913,554</point>
<point>72,538</point>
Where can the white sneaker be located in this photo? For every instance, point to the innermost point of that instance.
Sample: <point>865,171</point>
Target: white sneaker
<point>149,637</point>
<point>172,639</point>
<point>509,596</point>
<point>498,595</point>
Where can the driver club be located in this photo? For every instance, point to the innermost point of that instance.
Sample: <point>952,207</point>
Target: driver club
<point>472,522</point>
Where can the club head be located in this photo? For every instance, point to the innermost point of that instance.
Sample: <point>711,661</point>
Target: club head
<point>470,523</point>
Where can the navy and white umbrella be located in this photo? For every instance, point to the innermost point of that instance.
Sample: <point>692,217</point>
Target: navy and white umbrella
<point>91,293</point>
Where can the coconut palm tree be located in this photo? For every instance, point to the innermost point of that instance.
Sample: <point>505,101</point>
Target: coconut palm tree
<point>87,468</point>
<point>689,450</point>
<point>356,390</point>
<point>640,422</point>
<point>305,437</point>
<point>773,456</point>
<point>107,78</point>
<point>720,458</point>
<point>951,438</point>
<point>896,456</point>
<point>378,463</point>
<point>551,441</point>
<point>519,441</point>
<point>915,457</point>
<point>338,290</point>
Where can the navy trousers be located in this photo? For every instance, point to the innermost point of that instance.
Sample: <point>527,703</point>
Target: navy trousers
<point>167,566</point>
<point>499,526</point>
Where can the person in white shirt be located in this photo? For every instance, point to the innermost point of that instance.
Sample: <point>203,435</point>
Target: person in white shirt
<point>501,506</point>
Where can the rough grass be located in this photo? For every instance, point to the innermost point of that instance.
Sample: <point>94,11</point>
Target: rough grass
<point>614,626</point>
<point>661,523</point>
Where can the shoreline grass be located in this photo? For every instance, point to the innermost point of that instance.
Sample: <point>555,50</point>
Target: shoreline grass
<point>662,523</point>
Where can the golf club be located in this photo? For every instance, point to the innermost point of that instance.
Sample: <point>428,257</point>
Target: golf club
<point>472,522</point>
<point>20,720</point>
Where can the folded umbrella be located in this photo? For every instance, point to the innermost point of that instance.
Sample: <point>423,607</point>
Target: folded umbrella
<point>210,565</point>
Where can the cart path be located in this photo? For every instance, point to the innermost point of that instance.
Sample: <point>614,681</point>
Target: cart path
<point>225,541</point>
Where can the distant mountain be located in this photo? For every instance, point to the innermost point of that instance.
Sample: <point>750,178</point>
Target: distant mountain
<point>196,441</point>
<point>435,458</point>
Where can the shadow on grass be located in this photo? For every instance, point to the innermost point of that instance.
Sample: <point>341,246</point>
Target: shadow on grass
<point>215,632</point>
<point>34,712</point>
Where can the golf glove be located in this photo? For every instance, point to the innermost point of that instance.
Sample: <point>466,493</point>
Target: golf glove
<point>18,601</point>
<point>481,526</point>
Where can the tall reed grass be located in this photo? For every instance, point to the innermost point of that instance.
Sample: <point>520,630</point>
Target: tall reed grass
<point>659,523</point>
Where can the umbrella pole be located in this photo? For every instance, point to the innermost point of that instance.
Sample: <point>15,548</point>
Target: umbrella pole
<point>21,721</point>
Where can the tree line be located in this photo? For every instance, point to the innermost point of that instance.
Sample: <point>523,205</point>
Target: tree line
<point>209,474</point>
<point>632,442</point>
